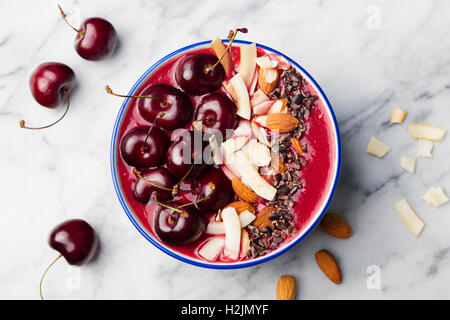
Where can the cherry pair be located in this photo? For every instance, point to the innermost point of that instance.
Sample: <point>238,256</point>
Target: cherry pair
<point>52,82</point>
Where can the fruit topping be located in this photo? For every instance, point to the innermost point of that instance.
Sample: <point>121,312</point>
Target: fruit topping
<point>247,65</point>
<point>435,197</point>
<point>145,146</point>
<point>215,113</point>
<point>409,217</point>
<point>408,163</point>
<point>268,79</point>
<point>215,186</point>
<point>397,115</point>
<point>195,75</point>
<point>377,148</point>
<point>157,180</point>
<point>232,233</point>
<point>426,131</point>
<point>241,97</point>
<point>212,248</point>
<point>425,148</point>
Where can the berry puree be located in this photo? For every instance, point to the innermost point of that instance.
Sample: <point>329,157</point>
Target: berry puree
<point>314,172</point>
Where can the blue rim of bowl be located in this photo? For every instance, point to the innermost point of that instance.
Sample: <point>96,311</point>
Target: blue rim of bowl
<point>187,259</point>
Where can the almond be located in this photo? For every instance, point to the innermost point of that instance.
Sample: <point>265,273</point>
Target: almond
<point>281,122</point>
<point>268,79</point>
<point>277,163</point>
<point>327,263</point>
<point>298,147</point>
<point>262,218</point>
<point>243,191</point>
<point>286,288</point>
<point>335,226</point>
<point>241,206</point>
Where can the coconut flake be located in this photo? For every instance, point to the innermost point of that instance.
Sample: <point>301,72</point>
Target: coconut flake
<point>245,243</point>
<point>212,249</point>
<point>409,217</point>
<point>408,163</point>
<point>425,148</point>
<point>377,148</point>
<point>435,197</point>
<point>426,131</point>
<point>398,115</point>
<point>232,233</point>
<point>217,155</point>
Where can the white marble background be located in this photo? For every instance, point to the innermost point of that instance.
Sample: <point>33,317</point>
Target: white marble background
<point>368,55</point>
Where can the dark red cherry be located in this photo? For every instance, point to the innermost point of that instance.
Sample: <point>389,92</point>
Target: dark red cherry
<point>141,149</point>
<point>183,153</point>
<point>193,77</point>
<point>177,108</point>
<point>96,38</point>
<point>214,181</point>
<point>161,180</point>
<point>51,83</point>
<point>216,112</point>
<point>75,240</point>
<point>174,227</point>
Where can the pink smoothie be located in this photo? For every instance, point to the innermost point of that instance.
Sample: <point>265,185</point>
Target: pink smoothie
<point>316,176</point>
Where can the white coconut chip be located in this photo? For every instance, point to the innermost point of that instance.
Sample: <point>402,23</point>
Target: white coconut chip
<point>408,163</point>
<point>212,249</point>
<point>409,217</point>
<point>435,197</point>
<point>425,148</point>
<point>397,115</point>
<point>377,148</point>
<point>426,131</point>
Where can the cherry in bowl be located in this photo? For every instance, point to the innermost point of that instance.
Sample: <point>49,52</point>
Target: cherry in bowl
<point>145,146</point>
<point>199,74</point>
<point>214,190</point>
<point>157,180</point>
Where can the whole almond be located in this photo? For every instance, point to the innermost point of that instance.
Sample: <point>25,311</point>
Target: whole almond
<point>327,263</point>
<point>281,122</point>
<point>277,163</point>
<point>243,191</point>
<point>241,206</point>
<point>268,79</point>
<point>298,147</point>
<point>262,218</point>
<point>286,289</point>
<point>335,226</point>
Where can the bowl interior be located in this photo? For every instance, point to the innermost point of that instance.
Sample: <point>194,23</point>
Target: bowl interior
<point>221,265</point>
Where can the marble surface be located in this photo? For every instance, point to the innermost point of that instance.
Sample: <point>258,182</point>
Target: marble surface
<point>368,56</point>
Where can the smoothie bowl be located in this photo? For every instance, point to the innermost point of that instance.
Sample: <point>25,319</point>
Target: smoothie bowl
<point>225,156</point>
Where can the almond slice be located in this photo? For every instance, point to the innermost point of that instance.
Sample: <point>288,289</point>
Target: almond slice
<point>241,97</point>
<point>298,147</point>
<point>219,49</point>
<point>377,148</point>
<point>408,163</point>
<point>425,148</point>
<point>268,79</point>
<point>262,218</point>
<point>426,131</point>
<point>241,206</point>
<point>232,233</point>
<point>397,115</point>
<point>286,288</point>
<point>281,122</point>
<point>243,192</point>
<point>245,243</point>
<point>435,197</point>
<point>218,227</point>
<point>212,249</point>
<point>327,263</point>
<point>248,63</point>
<point>252,177</point>
<point>277,163</point>
<point>335,226</point>
<point>234,144</point>
<point>265,62</point>
<point>409,217</point>
<point>217,155</point>
<point>279,106</point>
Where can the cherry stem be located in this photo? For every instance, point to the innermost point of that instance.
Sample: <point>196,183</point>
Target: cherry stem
<point>232,35</point>
<point>45,272</point>
<point>182,212</point>
<point>22,122</point>
<point>139,174</point>
<point>144,145</point>
<point>64,16</point>
<point>108,90</point>
<point>212,186</point>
